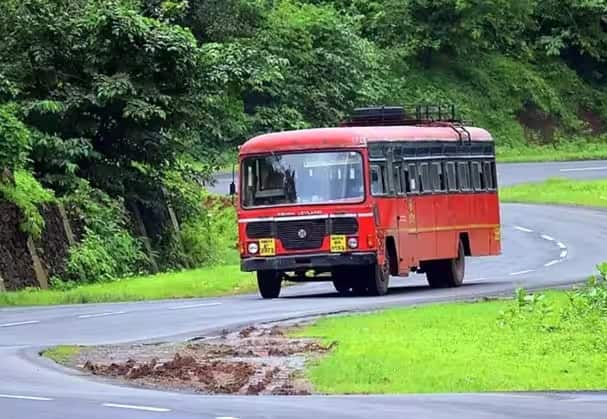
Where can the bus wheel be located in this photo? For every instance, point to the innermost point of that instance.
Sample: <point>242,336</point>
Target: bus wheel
<point>269,283</point>
<point>448,273</point>
<point>379,279</point>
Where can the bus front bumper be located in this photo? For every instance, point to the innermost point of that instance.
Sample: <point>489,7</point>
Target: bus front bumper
<point>303,262</point>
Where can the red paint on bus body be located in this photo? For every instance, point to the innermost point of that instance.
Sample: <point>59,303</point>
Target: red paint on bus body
<point>423,227</point>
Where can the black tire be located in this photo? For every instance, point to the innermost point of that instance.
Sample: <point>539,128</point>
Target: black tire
<point>378,280</point>
<point>269,283</point>
<point>447,273</point>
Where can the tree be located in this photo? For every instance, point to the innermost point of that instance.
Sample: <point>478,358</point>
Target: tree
<point>107,92</point>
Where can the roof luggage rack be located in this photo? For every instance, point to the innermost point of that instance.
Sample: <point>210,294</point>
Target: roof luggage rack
<point>416,115</point>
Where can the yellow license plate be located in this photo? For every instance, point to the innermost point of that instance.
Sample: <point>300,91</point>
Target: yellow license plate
<point>338,244</point>
<point>267,247</point>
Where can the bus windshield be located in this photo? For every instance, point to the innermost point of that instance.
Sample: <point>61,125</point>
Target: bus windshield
<point>303,178</point>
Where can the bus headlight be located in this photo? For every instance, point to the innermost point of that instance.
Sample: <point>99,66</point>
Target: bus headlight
<point>253,248</point>
<point>352,242</point>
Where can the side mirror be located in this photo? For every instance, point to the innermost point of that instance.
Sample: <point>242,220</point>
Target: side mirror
<point>232,189</point>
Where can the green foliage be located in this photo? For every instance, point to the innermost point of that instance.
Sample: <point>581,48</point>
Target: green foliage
<point>27,193</point>
<point>14,139</point>
<point>107,251</point>
<point>211,238</point>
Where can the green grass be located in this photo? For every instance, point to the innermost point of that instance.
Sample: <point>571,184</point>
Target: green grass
<point>559,191</point>
<point>204,282</point>
<point>560,152</point>
<point>455,348</point>
<point>62,354</point>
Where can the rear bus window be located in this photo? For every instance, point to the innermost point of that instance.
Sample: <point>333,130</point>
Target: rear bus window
<point>488,175</point>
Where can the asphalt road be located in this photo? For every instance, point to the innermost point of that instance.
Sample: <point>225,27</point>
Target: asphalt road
<point>543,247</point>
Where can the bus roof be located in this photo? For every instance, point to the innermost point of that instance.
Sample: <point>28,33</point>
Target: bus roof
<point>331,138</point>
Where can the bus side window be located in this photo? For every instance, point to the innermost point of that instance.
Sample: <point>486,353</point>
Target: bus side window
<point>424,178</point>
<point>410,178</point>
<point>477,180</point>
<point>463,176</point>
<point>396,179</point>
<point>378,183</point>
<point>437,177</point>
<point>488,175</point>
<point>451,175</point>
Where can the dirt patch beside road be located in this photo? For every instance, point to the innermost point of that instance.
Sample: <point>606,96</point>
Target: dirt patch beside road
<point>255,360</point>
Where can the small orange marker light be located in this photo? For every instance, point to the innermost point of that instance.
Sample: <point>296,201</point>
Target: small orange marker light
<point>371,241</point>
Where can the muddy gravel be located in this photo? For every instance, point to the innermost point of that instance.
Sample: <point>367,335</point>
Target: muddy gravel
<point>251,361</point>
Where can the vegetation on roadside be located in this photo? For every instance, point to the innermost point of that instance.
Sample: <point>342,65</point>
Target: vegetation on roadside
<point>552,341</point>
<point>62,354</point>
<point>559,191</point>
<point>134,103</point>
<point>203,282</point>
<point>562,151</point>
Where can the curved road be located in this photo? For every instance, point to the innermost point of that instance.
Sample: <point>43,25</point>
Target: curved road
<point>543,247</point>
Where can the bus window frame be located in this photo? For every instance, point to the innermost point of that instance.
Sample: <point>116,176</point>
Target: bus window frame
<point>451,187</point>
<point>383,170</point>
<point>441,177</point>
<point>468,189</point>
<point>479,165</point>
<point>423,190</point>
<point>409,191</point>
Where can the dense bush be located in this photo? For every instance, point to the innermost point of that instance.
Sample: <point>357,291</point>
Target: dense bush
<point>107,249</point>
<point>211,239</point>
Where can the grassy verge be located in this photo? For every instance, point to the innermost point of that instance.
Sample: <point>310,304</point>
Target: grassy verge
<point>559,152</point>
<point>205,282</point>
<point>471,347</point>
<point>559,191</point>
<point>62,354</point>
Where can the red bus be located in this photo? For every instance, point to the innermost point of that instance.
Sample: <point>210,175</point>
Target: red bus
<point>384,194</point>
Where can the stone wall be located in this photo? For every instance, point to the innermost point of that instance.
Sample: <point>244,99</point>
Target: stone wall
<point>25,262</point>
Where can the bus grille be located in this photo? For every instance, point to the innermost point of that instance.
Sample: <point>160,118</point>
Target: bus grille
<point>345,226</point>
<point>290,234</point>
<point>262,230</point>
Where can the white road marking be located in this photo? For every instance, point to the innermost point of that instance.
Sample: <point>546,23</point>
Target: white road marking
<point>133,407</point>
<point>584,169</point>
<point>91,316</point>
<point>528,271</point>
<point>20,323</point>
<point>225,417</point>
<point>549,238</point>
<point>523,229</point>
<point>561,245</point>
<point>194,306</point>
<point>552,262</point>
<point>37,399</point>
<point>564,254</point>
